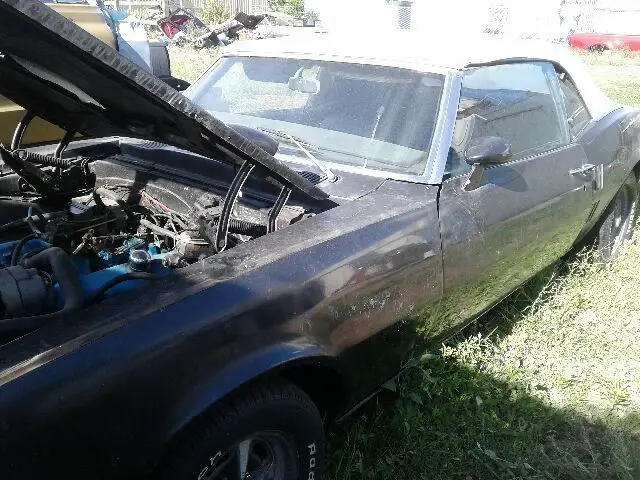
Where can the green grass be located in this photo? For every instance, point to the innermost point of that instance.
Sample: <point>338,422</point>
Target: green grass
<point>546,386</point>
<point>189,64</point>
<point>618,74</point>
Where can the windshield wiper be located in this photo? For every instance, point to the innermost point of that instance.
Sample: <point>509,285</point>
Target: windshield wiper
<point>331,177</point>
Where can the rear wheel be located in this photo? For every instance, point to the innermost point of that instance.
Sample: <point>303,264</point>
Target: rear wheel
<point>273,432</point>
<point>598,48</point>
<point>618,224</point>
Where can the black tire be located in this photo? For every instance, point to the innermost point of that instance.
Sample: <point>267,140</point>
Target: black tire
<point>617,227</point>
<point>598,48</point>
<point>284,430</point>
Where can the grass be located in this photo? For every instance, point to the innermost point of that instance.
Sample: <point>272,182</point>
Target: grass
<point>546,386</point>
<point>189,64</point>
<point>618,74</point>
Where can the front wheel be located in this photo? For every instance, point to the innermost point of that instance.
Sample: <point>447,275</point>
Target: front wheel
<point>619,221</point>
<point>273,432</point>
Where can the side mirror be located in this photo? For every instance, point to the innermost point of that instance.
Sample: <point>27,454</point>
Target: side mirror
<point>488,151</point>
<point>483,152</point>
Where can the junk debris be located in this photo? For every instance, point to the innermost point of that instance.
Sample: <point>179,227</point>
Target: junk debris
<point>182,27</point>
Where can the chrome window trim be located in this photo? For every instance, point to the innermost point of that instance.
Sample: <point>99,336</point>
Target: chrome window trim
<point>443,134</point>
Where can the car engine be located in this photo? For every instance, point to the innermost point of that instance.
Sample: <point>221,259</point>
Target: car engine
<point>64,255</point>
<point>101,244</point>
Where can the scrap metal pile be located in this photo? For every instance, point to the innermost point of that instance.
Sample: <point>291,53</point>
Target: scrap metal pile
<point>182,27</point>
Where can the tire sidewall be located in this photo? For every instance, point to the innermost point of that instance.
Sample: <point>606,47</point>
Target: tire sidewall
<point>608,249</point>
<point>285,415</point>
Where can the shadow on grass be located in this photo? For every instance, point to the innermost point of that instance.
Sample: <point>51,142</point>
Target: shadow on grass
<point>451,419</point>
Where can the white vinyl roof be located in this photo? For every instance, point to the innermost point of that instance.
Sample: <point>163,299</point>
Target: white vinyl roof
<point>426,54</point>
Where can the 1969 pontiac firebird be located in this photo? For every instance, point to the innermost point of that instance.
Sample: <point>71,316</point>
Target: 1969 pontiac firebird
<point>199,282</point>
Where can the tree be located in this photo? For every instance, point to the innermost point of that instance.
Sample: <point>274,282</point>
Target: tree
<point>213,13</point>
<point>294,8</point>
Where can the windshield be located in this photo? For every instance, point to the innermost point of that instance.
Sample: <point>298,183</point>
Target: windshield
<point>360,115</point>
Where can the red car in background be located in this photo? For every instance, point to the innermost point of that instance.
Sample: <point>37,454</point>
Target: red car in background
<point>600,42</point>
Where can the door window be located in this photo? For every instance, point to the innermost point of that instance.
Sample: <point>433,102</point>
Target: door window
<point>576,111</point>
<point>518,102</point>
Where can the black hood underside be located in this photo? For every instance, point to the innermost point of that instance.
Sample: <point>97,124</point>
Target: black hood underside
<point>61,73</point>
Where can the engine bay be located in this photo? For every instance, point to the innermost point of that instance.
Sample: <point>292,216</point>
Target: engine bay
<point>121,232</point>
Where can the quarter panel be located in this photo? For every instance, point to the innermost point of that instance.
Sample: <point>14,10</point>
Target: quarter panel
<point>612,144</point>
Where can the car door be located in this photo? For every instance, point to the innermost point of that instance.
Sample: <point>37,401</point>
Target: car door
<point>526,213</point>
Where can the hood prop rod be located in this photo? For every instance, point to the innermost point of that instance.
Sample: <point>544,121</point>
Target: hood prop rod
<point>18,135</point>
<point>229,201</point>
<point>274,213</point>
<point>64,143</point>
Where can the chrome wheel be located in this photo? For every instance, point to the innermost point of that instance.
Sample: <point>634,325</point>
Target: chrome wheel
<point>262,456</point>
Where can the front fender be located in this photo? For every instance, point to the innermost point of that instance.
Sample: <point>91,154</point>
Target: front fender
<point>223,383</point>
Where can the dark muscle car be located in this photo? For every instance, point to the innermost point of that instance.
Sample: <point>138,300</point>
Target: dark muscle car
<point>205,279</point>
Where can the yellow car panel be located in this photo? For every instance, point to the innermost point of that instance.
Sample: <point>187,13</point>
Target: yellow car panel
<point>39,131</point>
<point>90,19</point>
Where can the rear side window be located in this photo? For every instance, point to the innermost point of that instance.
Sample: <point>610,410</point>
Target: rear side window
<point>518,102</point>
<point>577,114</point>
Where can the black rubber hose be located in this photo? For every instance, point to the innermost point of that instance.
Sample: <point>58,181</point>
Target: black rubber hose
<point>41,159</point>
<point>15,254</point>
<point>69,281</point>
<point>97,296</point>
<point>243,227</point>
<point>22,221</point>
<point>34,252</point>
<point>65,273</point>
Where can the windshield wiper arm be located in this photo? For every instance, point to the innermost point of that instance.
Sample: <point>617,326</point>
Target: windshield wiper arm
<point>332,177</point>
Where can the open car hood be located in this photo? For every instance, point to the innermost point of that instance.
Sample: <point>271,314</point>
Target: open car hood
<point>61,73</point>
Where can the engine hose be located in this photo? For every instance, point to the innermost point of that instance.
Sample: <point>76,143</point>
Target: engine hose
<point>15,254</point>
<point>243,227</point>
<point>158,229</point>
<point>97,296</point>
<point>22,221</point>
<point>69,281</point>
<point>65,273</point>
<point>41,159</point>
<point>34,252</point>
